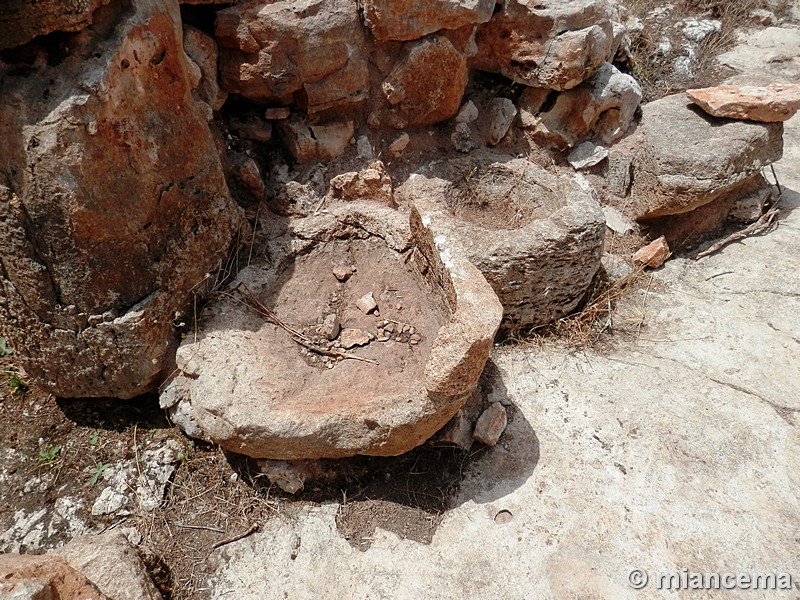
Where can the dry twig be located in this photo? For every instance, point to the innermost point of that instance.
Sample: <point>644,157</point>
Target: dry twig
<point>254,304</point>
<point>236,538</point>
<point>764,223</point>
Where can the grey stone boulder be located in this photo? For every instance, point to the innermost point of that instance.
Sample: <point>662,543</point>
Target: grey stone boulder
<point>535,236</point>
<point>113,205</point>
<point>688,158</point>
<point>603,107</point>
<point>253,389</point>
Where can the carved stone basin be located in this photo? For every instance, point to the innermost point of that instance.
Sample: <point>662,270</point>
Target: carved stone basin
<point>290,383</point>
<point>537,237</point>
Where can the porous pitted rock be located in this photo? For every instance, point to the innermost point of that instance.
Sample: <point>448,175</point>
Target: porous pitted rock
<point>603,105</point>
<point>537,238</point>
<point>688,158</point>
<point>372,183</point>
<point>113,205</point>
<point>768,104</point>
<point>555,44</point>
<point>412,19</point>
<point>202,49</point>
<point>43,577</point>
<point>311,52</point>
<point>23,20</point>
<point>425,86</point>
<point>112,565</point>
<point>254,390</point>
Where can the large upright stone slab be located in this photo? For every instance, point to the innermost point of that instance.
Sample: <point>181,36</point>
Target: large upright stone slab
<point>113,204</point>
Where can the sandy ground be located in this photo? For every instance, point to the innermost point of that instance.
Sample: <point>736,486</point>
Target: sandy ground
<point>677,451</point>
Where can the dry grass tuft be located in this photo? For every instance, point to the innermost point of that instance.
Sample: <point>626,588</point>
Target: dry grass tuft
<point>655,71</point>
<point>592,324</point>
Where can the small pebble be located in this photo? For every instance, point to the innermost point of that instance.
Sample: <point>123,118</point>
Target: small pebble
<point>398,339</point>
<point>412,330</point>
<point>367,304</point>
<point>415,338</point>
<point>406,328</point>
<point>413,342</point>
<point>398,306</point>
<point>383,338</point>
<point>342,272</point>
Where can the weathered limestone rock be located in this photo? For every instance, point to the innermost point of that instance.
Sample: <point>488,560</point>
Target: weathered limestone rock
<point>425,86</point>
<point>112,565</point>
<point>537,238</point>
<point>774,49</point>
<point>372,183</point>
<point>689,158</point>
<point>603,105</point>
<point>311,52</point>
<point>501,113</point>
<point>253,390</point>
<point>587,155</point>
<point>202,49</point>
<point>769,104</point>
<point>22,20</point>
<point>412,19</point>
<point>307,143</point>
<point>43,577</point>
<point>113,205</point>
<point>555,45</point>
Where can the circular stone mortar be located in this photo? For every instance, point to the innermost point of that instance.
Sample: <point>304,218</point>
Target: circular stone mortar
<point>535,236</point>
<point>249,386</point>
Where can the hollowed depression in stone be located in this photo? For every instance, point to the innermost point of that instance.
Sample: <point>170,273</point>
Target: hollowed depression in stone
<point>499,196</point>
<point>537,237</point>
<point>306,290</point>
<point>253,389</point>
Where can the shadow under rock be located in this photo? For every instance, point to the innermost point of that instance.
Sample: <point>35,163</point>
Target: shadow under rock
<point>117,415</point>
<point>498,471</point>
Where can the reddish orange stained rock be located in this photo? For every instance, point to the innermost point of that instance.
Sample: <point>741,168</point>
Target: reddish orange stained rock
<point>555,44</point>
<point>307,50</point>
<point>654,254</point>
<point>413,19</point>
<point>46,576</point>
<point>426,86</point>
<point>770,104</point>
<point>113,205</point>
